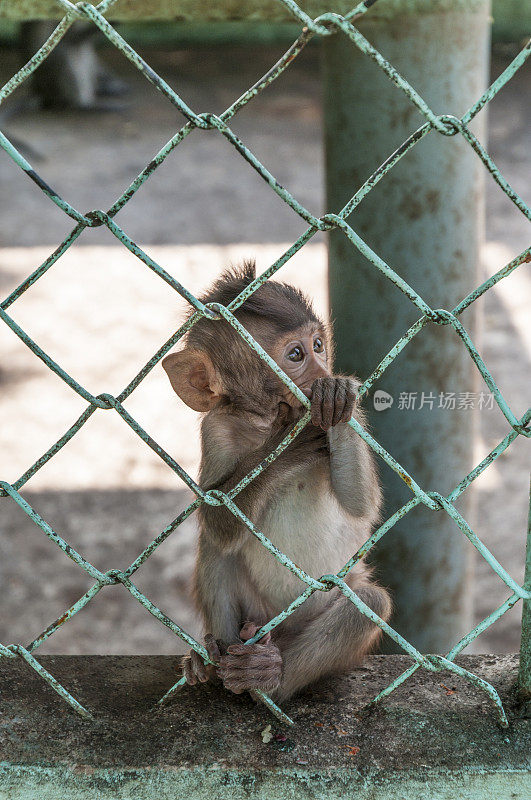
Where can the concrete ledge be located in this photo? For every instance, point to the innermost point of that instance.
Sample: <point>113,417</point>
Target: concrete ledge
<point>425,741</point>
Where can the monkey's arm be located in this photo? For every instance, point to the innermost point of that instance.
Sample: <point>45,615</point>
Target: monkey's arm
<point>353,474</point>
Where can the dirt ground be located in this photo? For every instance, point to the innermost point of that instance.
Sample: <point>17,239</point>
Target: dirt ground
<point>101,314</point>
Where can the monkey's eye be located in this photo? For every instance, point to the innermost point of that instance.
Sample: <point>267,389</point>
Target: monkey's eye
<point>296,354</point>
<point>318,345</point>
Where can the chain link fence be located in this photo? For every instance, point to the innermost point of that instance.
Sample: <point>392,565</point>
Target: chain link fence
<point>327,24</point>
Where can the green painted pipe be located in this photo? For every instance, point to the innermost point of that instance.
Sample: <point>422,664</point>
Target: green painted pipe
<point>425,219</point>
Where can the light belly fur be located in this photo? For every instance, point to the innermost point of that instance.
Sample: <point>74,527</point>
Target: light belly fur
<point>307,523</point>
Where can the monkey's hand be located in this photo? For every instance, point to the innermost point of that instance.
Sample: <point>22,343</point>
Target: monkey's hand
<point>332,401</point>
<point>193,666</point>
<point>251,666</point>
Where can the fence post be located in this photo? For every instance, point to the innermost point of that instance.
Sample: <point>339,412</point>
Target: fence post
<point>426,220</point>
<point>524,676</point>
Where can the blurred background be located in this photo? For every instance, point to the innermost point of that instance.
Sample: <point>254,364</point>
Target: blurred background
<point>101,314</point>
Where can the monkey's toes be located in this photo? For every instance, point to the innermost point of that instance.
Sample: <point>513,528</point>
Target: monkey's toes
<point>249,629</point>
<point>265,677</point>
<point>247,667</point>
<point>214,647</point>
<point>188,671</point>
<point>194,669</point>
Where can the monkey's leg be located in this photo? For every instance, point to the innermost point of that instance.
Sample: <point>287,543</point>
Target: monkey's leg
<point>218,585</point>
<point>333,642</point>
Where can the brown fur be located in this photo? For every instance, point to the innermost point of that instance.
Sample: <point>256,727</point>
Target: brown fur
<point>318,501</point>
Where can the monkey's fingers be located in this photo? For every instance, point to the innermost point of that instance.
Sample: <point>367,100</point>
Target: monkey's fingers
<point>329,391</point>
<point>340,401</point>
<point>324,402</point>
<point>316,409</point>
<point>245,650</point>
<point>213,647</point>
<point>249,629</point>
<point>199,667</point>
<point>188,672</point>
<point>351,398</point>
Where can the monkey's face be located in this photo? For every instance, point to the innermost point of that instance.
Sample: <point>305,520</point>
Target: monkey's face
<point>304,357</point>
<point>217,367</point>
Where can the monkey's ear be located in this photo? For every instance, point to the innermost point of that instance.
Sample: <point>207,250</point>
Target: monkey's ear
<point>194,379</point>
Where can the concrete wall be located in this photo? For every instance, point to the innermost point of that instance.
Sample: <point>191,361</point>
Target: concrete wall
<point>435,738</point>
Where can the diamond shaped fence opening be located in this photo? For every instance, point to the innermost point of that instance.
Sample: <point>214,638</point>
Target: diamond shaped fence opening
<point>435,125</point>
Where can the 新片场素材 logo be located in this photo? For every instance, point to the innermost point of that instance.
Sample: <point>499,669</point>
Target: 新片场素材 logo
<point>382,400</point>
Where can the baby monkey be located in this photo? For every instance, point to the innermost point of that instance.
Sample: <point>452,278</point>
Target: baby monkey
<point>317,502</point>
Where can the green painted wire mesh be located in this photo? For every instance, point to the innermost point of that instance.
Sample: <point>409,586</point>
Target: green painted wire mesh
<point>446,125</point>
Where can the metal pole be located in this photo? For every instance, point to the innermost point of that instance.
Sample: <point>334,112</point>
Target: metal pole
<point>425,219</point>
<point>524,675</point>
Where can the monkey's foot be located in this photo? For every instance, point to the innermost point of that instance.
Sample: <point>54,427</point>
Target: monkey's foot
<point>251,666</point>
<point>193,666</point>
